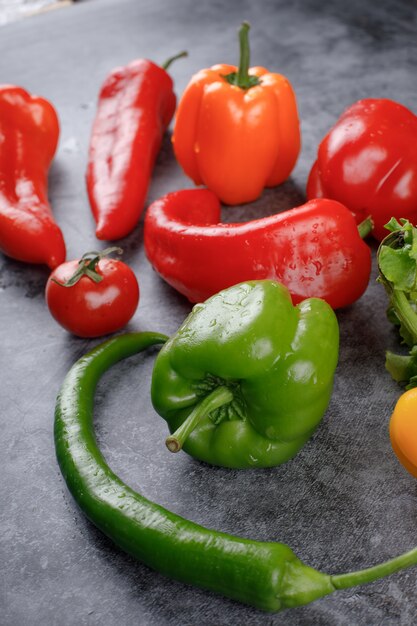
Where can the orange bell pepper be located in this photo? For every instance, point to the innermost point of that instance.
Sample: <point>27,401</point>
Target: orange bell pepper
<point>403,430</point>
<point>237,129</point>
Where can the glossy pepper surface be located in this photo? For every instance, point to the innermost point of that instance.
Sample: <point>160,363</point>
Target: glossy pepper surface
<point>29,131</point>
<point>266,575</point>
<point>315,250</point>
<point>237,130</point>
<point>135,106</point>
<point>403,430</point>
<point>368,161</point>
<point>258,371</point>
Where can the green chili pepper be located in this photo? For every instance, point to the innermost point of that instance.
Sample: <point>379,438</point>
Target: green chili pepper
<point>266,575</point>
<point>248,376</point>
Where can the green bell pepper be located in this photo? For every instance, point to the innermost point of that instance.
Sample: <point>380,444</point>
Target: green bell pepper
<point>248,376</point>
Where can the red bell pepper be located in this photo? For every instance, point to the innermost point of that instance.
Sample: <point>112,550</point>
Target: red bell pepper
<point>29,131</point>
<point>314,249</point>
<point>368,161</point>
<point>135,106</point>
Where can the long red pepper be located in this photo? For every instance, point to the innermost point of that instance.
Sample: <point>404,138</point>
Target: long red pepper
<point>135,106</point>
<point>29,132</point>
<point>315,249</point>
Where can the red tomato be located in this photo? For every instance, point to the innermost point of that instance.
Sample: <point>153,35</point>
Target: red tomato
<point>89,308</point>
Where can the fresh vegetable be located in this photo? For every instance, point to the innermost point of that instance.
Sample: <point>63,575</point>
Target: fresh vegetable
<point>236,129</point>
<point>93,296</point>
<point>135,106</point>
<point>314,249</point>
<point>29,131</point>
<point>266,575</point>
<point>368,161</point>
<point>248,376</point>
<point>403,430</point>
<point>397,262</point>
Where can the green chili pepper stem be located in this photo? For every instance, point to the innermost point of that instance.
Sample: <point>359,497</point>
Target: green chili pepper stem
<point>404,312</point>
<point>216,399</point>
<point>343,581</point>
<point>365,227</point>
<point>169,61</point>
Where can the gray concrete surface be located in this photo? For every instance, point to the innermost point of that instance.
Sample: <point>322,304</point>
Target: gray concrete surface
<point>344,502</point>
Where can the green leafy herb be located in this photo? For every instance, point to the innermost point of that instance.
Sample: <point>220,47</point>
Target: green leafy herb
<point>397,262</point>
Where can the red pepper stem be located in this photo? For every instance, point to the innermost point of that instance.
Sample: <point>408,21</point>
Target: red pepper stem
<point>216,399</point>
<point>168,62</point>
<point>365,227</point>
<point>344,581</point>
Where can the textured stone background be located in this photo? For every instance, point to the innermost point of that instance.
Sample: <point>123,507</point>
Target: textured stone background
<point>344,502</point>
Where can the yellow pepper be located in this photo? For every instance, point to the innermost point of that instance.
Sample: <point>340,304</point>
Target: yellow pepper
<point>403,430</point>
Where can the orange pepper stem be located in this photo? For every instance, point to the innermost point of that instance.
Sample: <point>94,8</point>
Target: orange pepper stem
<point>243,72</point>
<point>242,78</point>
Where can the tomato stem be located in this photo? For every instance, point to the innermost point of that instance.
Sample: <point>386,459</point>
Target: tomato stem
<point>87,266</point>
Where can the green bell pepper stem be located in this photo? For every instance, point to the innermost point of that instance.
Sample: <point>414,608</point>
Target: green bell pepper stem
<point>169,61</point>
<point>216,399</point>
<point>365,227</point>
<point>344,581</point>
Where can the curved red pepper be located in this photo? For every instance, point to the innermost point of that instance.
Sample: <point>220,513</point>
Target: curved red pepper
<point>29,131</point>
<point>314,249</point>
<point>368,161</point>
<point>136,104</point>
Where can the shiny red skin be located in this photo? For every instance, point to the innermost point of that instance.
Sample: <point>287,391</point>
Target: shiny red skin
<point>29,131</point>
<point>90,309</point>
<point>314,249</point>
<point>368,161</point>
<point>135,106</point>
